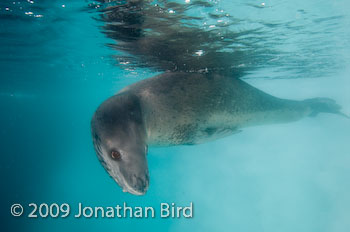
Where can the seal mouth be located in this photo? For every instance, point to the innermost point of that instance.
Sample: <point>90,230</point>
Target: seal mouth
<point>135,192</point>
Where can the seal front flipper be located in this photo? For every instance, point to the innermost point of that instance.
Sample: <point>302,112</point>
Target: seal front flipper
<point>213,133</point>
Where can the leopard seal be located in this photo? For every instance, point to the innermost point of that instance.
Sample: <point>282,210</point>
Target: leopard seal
<point>177,108</point>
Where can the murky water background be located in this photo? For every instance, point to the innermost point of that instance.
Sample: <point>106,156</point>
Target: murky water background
<point>56,69</point>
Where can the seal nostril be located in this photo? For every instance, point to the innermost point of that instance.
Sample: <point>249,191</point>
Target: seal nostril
<point>139,183</point>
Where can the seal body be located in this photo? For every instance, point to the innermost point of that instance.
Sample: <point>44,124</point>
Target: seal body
<point>191,108</point>
<point>183,108</point>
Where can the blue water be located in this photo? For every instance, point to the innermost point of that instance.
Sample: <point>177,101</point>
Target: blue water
<point>56,69</point>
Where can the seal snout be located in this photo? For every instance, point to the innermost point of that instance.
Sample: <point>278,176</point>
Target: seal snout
<point>140,184</point>
<point>137,185</point>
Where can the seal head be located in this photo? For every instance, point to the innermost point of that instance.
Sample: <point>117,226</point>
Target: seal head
<point>119,140</point>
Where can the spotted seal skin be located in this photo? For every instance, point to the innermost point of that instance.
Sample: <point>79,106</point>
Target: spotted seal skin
<point>183,108</point>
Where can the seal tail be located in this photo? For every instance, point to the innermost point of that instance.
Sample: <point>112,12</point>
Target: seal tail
<point>324,105</point>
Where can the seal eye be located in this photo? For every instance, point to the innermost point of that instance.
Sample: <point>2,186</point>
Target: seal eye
<point>116,155</point>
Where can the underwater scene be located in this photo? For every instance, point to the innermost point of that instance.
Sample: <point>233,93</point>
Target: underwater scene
<point>181,115</point>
